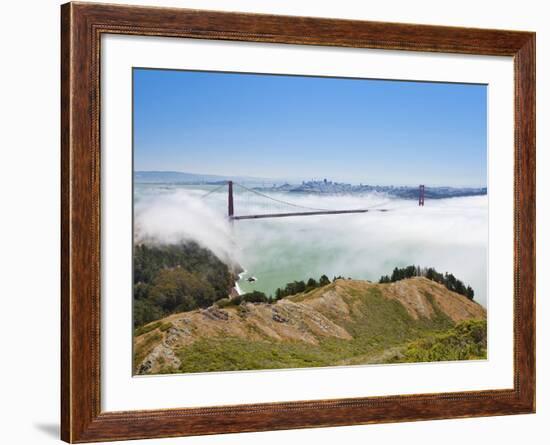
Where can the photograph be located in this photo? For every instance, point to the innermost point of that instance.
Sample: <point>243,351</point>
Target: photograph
<point>291,221</point>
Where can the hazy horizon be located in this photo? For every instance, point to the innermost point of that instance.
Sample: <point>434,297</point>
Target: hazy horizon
<point>302,179</point>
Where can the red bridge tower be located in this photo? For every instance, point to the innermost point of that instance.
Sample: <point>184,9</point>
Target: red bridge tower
<point>230,209</point>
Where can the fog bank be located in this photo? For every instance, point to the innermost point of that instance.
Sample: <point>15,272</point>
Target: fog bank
<point>450,235</point>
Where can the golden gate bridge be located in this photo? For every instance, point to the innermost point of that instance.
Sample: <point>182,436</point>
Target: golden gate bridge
<point>297,209</point>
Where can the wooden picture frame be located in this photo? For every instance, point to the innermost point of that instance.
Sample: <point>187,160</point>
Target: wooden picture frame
<point>82,25</point>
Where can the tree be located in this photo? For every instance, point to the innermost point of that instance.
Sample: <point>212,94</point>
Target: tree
<point>299,286</point>
<point>255,297</point>
<point>145,311</point>
<point>279,294</point>
<point>141,290</point>
<point>177,277</point>
<point>448,279</point>
<point>177,289</point>
<point>311,284</point>
<point>323,281</point>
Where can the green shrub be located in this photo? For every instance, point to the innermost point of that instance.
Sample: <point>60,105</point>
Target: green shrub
<point>147,328</point>
<point>254,297</point>
<point>224,302</point>
<point>466,341</point>
<point>165,326</point>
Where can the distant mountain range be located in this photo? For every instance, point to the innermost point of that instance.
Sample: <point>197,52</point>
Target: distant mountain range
<point>164,177</point>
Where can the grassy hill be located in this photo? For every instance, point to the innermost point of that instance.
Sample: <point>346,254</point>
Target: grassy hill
<point>347,322</point>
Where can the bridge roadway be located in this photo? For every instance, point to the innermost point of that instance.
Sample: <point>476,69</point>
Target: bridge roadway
<point>284,215</point>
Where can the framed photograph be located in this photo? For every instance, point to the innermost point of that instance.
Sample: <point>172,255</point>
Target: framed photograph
<point>274,222</point>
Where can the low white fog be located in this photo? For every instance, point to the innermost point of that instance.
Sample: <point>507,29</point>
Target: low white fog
<point>448,234</point>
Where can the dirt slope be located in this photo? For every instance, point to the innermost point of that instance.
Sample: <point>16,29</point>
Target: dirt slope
<point>341,312</point>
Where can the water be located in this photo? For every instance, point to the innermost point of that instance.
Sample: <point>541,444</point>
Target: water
<point>450,234</point>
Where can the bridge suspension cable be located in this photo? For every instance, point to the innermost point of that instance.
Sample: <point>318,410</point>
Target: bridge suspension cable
<point>266,210</point>
<point>213,190</point>
<point>298,206</point>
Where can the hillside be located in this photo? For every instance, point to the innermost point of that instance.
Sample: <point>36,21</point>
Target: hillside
<point>345,322</point>
<point>173,278</point>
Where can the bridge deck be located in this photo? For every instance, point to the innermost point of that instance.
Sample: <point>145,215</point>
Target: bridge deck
<point>324,212</point>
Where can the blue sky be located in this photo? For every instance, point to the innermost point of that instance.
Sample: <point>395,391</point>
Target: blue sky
<point>295,127</point>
